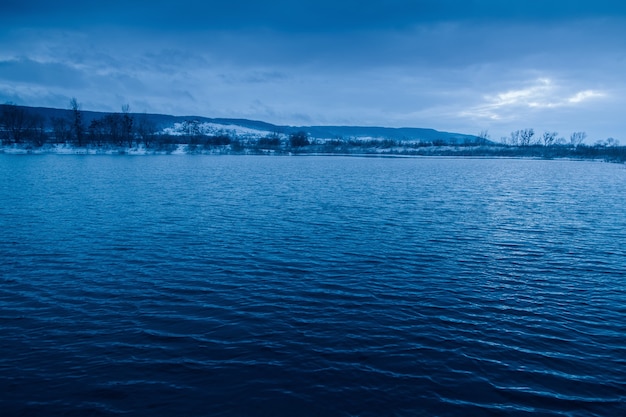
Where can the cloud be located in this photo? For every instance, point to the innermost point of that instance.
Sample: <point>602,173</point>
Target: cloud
<point>312,16</point>
<point>445,71</point>
<point>46,73</point>
<point>256,76</point>
<point>584,95</point>
<point>539,94</point>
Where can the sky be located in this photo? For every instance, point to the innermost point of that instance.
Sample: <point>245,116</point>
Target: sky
<point>459,66</point>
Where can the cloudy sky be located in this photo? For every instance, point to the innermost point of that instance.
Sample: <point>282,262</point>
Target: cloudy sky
<point>461,66</point>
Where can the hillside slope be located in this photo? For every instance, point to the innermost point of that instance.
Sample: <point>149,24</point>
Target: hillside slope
<point>168,124</point>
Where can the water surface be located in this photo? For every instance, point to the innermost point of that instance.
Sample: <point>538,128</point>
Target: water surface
<point>282,286</point>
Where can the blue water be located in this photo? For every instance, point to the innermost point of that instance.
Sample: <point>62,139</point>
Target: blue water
<point>304,286</point>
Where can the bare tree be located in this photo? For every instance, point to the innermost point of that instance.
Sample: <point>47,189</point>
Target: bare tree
<point>549,138</point>
<point>526,136</point>
<point>97,131</point>
<point>127,125</point>
<point>299,139</point>
<point>20,125</point>
<point>14,123</point>
<point>515,138</point>
<point>61,128</point>
<point>37,130</point>
<point>608,142</point>
<point>77,122</point>
<point>114,128</point>
<point>146,130</point>
<point>577,138</point>
<point>191,127</point>
<point>483,137</point>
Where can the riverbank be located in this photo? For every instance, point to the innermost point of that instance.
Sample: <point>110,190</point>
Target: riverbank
<point>608,154</point>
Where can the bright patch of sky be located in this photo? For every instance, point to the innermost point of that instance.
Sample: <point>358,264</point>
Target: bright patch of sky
<point>540,94</point>
<point>462,66</point>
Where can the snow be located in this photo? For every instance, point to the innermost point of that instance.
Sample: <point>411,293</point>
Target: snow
<point>65,149</point>
<point>180,150</point>
<point>214,129</point>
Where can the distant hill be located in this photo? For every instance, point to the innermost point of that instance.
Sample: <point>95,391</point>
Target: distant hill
<point>375,132</point>
<point>164,122</point>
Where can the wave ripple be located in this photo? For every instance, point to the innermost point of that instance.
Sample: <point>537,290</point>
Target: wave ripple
<point>311,286</point>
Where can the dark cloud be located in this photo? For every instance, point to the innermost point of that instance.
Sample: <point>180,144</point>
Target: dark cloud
<point>453,65</point>
<point>45,73</point>
<point>253,77</point>
<point>291,16</point>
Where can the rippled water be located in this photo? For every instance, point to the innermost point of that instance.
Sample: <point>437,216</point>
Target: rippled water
<point>297,286</point>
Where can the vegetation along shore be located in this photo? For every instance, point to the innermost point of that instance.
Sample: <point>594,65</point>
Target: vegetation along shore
<point>44,130</point>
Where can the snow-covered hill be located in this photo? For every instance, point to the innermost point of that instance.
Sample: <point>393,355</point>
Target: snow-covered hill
<point>254,129</point>
<point>214,129</point>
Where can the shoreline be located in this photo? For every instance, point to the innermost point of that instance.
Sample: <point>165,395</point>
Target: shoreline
<point>612,155</point>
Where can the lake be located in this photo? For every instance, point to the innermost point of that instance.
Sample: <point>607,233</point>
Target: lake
<point>311,286</point>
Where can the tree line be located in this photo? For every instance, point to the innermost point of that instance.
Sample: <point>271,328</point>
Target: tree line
<point>527,137</point>
<point>22,126</point>
<point>17,125</point>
